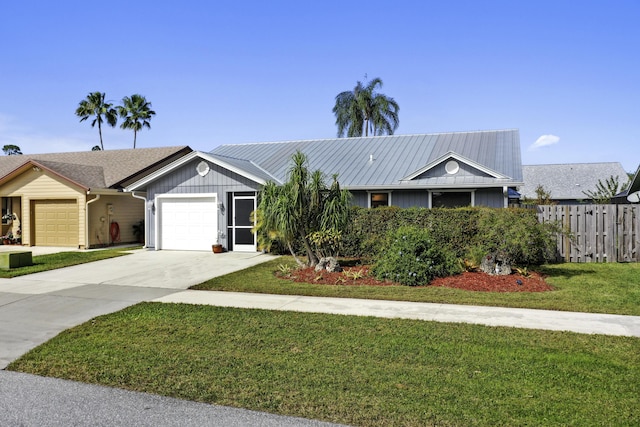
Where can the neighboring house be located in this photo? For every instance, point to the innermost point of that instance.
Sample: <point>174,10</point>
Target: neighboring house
<point>207,198</point>
<point>631,194</point>
<point>567,183</point>
<point>76,199</point>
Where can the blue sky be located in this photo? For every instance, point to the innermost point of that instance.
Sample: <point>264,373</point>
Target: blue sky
<point>565,73</point>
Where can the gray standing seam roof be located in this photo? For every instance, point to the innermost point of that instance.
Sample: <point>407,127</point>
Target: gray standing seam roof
<point>394,157</point>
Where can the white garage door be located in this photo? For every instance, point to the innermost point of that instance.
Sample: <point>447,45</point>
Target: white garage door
<point>187,223</point>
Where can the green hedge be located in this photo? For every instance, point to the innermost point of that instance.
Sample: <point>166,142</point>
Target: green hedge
<point>452,229</point>
<point>515,233</point>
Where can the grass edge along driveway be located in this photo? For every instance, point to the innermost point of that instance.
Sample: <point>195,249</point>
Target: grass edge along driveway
<point>355,370</point>
<point>65,259</point>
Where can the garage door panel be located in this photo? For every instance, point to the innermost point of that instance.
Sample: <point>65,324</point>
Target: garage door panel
<point>188,223</point>
<point>56,223</point>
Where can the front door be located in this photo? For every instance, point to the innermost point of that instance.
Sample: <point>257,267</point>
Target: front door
<point>244,239</point>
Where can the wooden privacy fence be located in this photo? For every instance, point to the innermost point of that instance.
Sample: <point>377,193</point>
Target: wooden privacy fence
<point>595,233</point>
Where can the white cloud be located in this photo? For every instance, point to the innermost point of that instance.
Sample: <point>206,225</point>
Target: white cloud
<point>544,140</point>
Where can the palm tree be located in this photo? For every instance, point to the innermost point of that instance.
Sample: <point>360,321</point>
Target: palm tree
<point>302,206</point>
<point>95,105</point>
<point>136,112</point>
<point>363,110</point>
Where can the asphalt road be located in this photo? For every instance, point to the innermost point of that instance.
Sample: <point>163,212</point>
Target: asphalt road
<point>33,401</point>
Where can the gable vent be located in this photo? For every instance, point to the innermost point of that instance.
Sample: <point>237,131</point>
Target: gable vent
<point>202,168</point>
<point>452,167</point>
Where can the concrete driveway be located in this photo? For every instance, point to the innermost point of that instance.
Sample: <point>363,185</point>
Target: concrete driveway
<point>37,307</point>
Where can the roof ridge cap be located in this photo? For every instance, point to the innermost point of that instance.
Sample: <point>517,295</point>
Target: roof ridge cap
<point>368,137</point>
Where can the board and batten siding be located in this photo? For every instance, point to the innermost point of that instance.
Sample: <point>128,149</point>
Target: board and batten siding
<point>489,197</point>
<point>186,180</point>
<point>410,198</point>
<point>400,198</point>
<point>360,198</point>
<point>440,171</point>
<point>35,185</point>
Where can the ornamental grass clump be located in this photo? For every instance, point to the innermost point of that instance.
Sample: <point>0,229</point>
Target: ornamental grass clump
<point>412,258</point>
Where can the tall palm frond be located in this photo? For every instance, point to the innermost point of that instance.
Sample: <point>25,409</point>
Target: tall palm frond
<point>95,105</point>
<point>363,110</point>
<point>137,114</point>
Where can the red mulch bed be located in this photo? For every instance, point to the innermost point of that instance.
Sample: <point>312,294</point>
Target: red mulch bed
<point>470,281</point>
<point>478,281</point>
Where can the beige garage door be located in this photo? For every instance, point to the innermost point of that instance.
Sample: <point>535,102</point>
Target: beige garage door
<point>55,222</point>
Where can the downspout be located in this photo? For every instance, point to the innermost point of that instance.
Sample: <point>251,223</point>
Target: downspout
<point>146,214</point>
<point>86,221</point>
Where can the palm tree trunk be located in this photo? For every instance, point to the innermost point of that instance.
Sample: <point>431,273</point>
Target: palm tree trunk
<point>293,253</point>
<point>313,258</point>
<point>134,138</point>
<point>100,132</point>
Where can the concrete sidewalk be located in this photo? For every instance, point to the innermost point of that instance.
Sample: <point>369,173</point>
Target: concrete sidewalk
<point>587,323</point>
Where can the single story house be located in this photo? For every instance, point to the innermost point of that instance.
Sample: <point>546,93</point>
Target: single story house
<point>206,198</point>
<point>567,183</point>
<point>76,199</point>
<point>631,194</point>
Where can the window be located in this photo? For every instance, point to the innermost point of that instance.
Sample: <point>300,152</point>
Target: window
<point>450,199</point>
<point>7,212</point>
<point>378,199</point>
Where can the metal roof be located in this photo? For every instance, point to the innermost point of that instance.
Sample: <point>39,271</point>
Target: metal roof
<point>384,161</point>
<point>569,181</point>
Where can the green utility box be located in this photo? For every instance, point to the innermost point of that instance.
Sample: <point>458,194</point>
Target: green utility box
<point>15,259</point>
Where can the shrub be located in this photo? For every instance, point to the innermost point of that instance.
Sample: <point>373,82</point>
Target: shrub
<point>411,257</point>
<point>516,235</point>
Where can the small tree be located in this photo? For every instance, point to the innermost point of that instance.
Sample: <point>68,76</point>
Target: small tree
<point>543,197</point>
<point>605,190</point>
<point>11,150</point>
<point>303,209</point>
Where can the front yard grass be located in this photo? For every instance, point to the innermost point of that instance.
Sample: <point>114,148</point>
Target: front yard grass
<point>594,288</point>
<point>356,370</point>
<point>63,259</point>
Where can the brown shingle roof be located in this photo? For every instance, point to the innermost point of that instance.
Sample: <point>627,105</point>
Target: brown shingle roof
<point>99,169</point>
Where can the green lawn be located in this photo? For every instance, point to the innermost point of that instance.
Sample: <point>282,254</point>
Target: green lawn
<point>354,370</point>
<point>596,288</point>
<point>63,259</point>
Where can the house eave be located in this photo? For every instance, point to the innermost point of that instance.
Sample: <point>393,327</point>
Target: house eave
<point>141,184</point>
<point>408,186</point>
<point>458,157</point>
<point>35,165</point>
<point>104,191</point>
